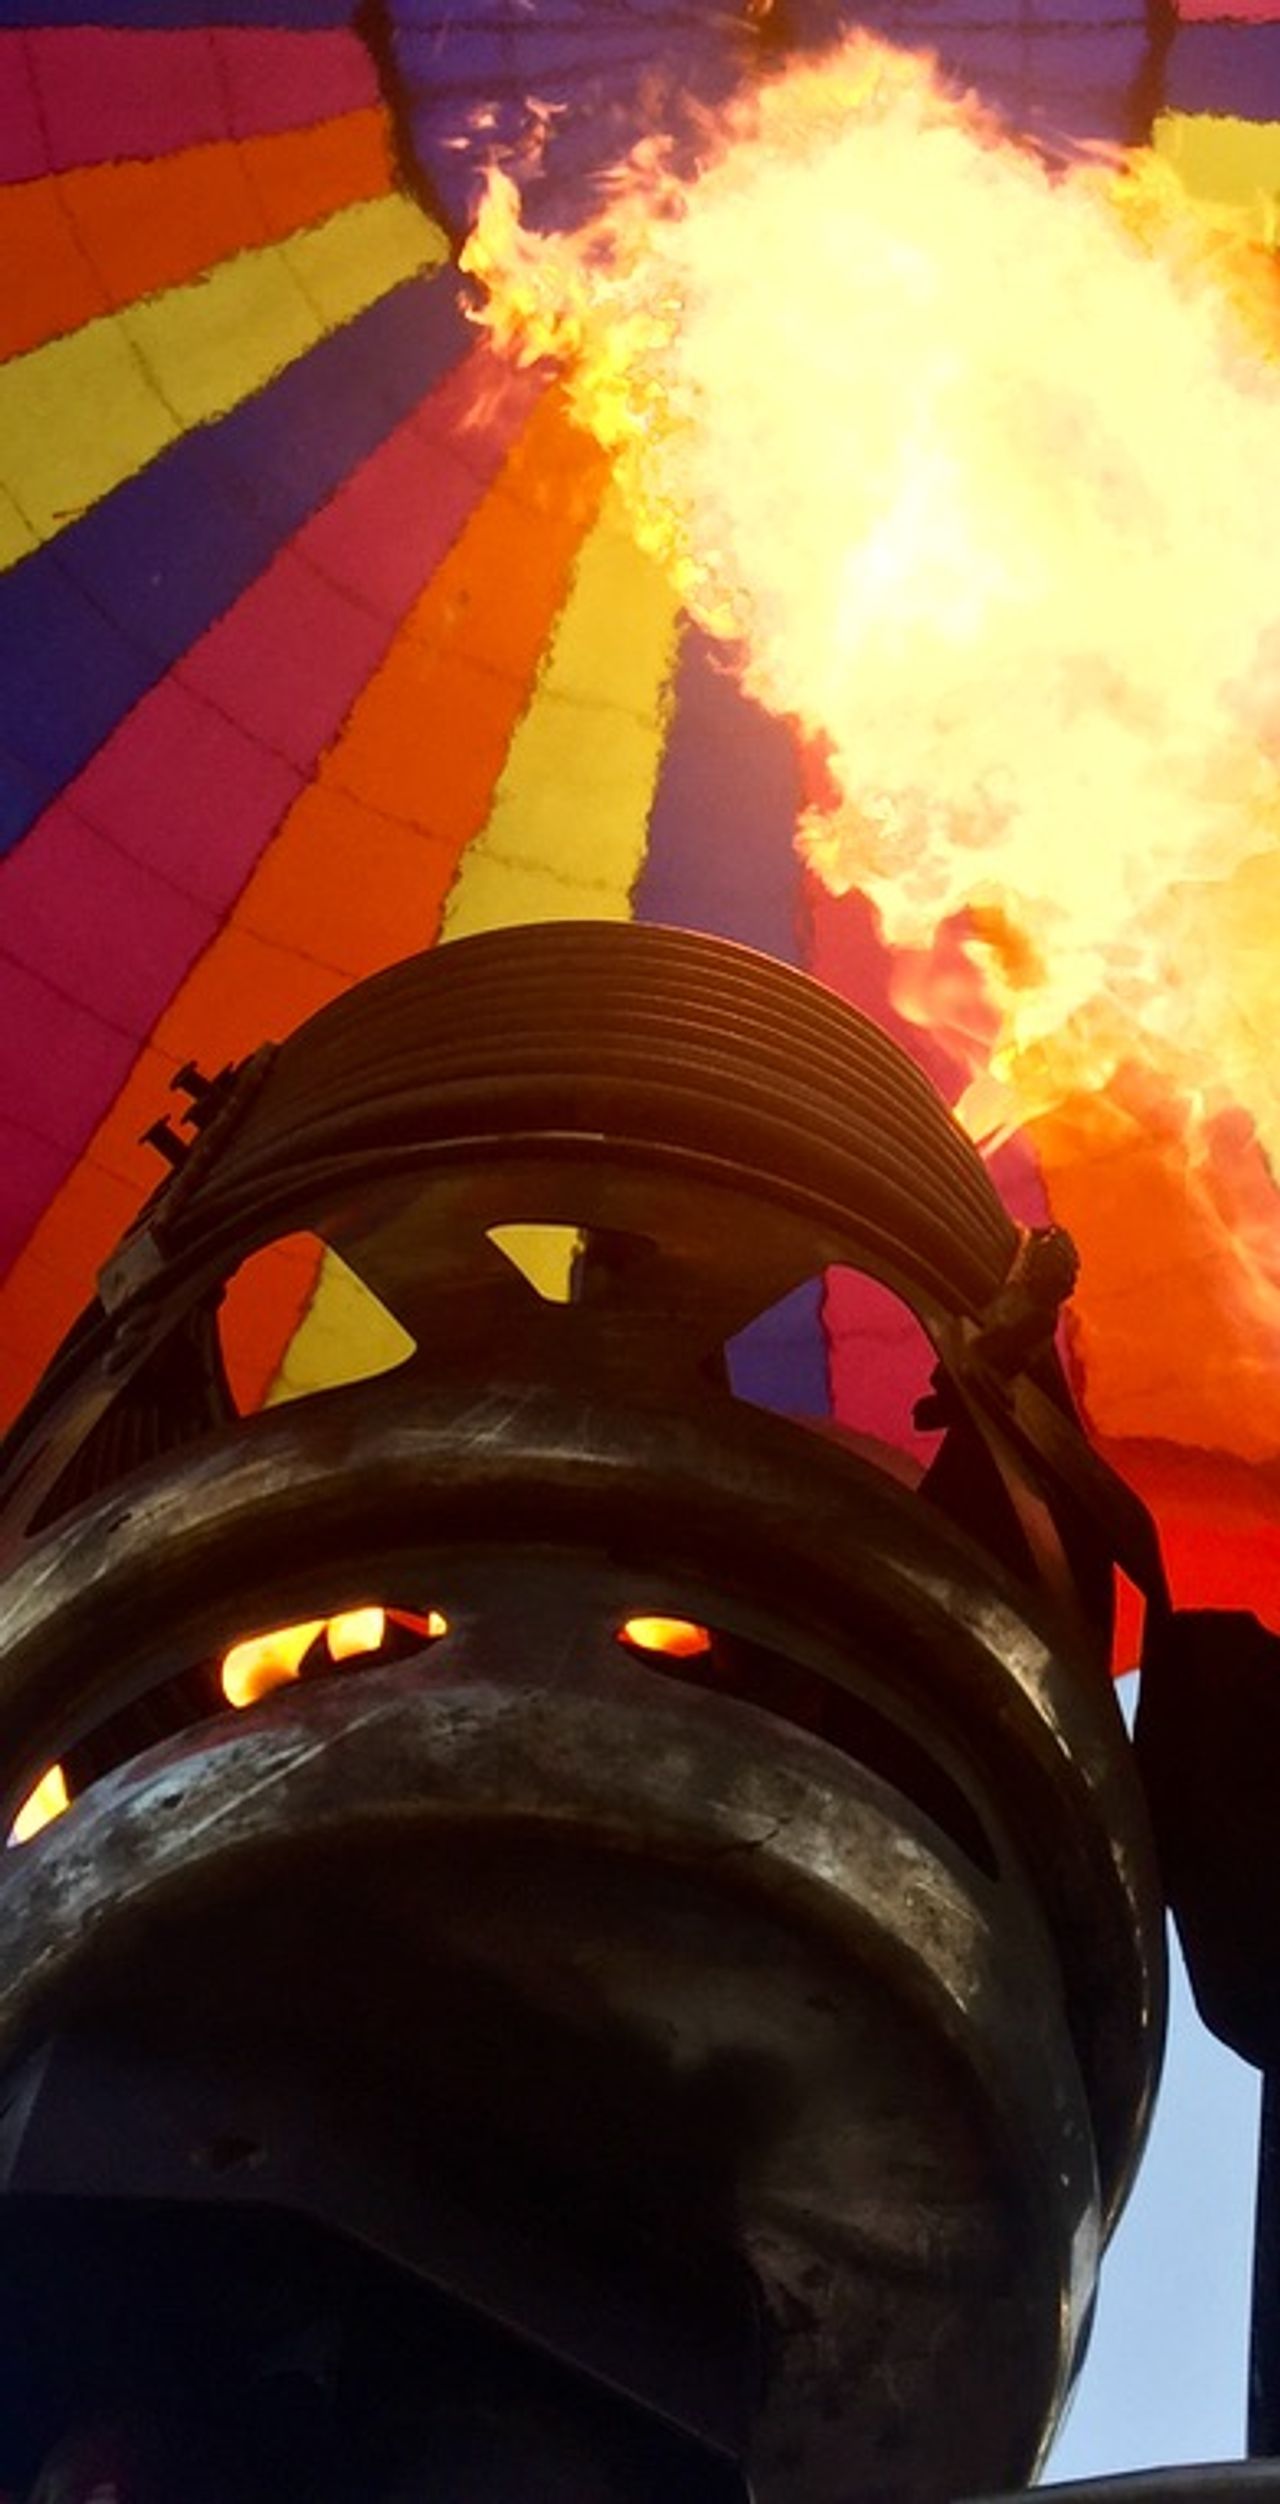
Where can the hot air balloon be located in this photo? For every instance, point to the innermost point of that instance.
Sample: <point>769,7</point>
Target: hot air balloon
<point>329,635</point>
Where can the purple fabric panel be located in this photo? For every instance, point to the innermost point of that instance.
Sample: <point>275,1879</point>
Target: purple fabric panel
<point>109,92</point>
<point>278,81</point>
<point>23,153</point>
<point>1232,70</point>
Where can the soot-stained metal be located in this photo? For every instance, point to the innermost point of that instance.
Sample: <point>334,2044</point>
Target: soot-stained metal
<point>525,2067</point>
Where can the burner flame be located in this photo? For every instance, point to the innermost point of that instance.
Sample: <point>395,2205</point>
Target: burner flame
<point>968,460</point>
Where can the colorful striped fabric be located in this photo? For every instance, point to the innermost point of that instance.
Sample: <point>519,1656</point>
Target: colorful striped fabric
<point>325,638</point>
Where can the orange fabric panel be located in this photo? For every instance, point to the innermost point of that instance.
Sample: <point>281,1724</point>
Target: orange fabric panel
<point>398,796</point>
<point>278,1280</point>
<point>1173,1327</point>
<point>50,285</point>
<point>60,1269</point>
<point>310,892</point>
<point>243,990</point>
<point>86,242</point>
<point>1219,1523</point>
<point>147,226</point>
<point>365,858</point>
<point>302,175</point>
<point>424,725</point>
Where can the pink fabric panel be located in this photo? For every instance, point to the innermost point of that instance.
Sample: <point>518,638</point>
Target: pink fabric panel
<point>464,430</point>
<point>88,917</point>
<point>52,1049</point>
<point>31,1169</point>
<point>1230,12</point>
<point>120,885</point>
<point>281,81</point>
<point>22,147</point>
<point>289,679</point>
<point>877,1355</point>
<point>185,789</point>
<point>351,544</point>
<point>112,92</point>
<point>108,93</point>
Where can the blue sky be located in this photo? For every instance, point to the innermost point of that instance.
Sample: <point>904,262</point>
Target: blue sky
<point>1166,2374</point>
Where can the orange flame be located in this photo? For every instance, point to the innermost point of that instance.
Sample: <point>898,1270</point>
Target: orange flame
<point>971,461</point>
<point>357,1630</point>
<point>677,1638</point>
<point>252,1668</point>
<point>41,1805</point>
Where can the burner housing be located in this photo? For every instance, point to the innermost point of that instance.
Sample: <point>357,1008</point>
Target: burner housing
<point>524,2058</point>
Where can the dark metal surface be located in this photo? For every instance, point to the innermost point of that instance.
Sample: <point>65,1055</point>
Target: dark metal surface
<point>720,1129</point>
<point>828,1967</point>
<point>1264,2356</point>
<point>201,2121</point>
<point>1208,1743</point>
<point>1191,2482</point>
<point>416,1491</point>
<point>244,2356</point>
<point>653,1959</point>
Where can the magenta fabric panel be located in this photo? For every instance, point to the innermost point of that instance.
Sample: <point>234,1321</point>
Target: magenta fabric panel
<point>1232,12</point>
<point>31,1168</point>
<point>81,905</point>
<point>464,430</point>
<point>879,1359</point>
<point>122,883</point>
<point>86,95</point>
<point>48,1062</point>
<point>286,674</point>
<point>23,153</point>
<point>279,81</point>
<point>186,789</point>
<point>99,921</point>
<point>105,94</point>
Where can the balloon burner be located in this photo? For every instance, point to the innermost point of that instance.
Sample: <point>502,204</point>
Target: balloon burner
<point>537,2057</point>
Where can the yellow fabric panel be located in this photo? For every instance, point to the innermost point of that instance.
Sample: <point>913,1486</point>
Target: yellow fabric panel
<point>565,839</point>
<point>501,891</point>
<point>76,417</point>
<point>17,537</point>
<point>332,263</point>
<point>82,414</point>
<point>1221,158</point>
<point>206,346</point>
<point>344,1335</point>
<point>566,834</point>
<point>543,1254</point>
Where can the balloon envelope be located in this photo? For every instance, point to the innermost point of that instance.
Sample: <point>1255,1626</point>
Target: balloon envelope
<point>326,637</point>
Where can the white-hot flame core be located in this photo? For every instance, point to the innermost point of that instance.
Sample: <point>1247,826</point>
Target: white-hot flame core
<point>978,467</point>
<point>48,1800</point>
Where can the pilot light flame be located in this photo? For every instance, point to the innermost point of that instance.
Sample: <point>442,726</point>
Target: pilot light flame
<point>969,461</point>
